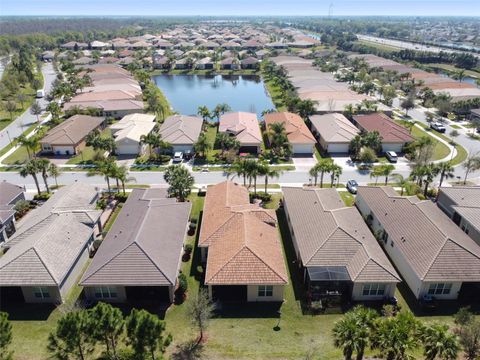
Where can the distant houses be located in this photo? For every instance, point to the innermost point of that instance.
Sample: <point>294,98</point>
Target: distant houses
<point>47,254</point>
<point>69,137</point>
<point>139,259</point>
<point>434,257</point>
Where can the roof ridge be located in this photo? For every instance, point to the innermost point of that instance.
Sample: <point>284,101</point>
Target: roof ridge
<point>383,267</point>
<point>276,273</point>
<point>322,244</point>
<point>153,262</point>
<point>44,265</point>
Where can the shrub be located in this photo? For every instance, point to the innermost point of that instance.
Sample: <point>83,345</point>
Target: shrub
<point>265,197</point>
<point>188,249</point>
<point>42,197</point>
<point>102,203</point>
<point>182,283</point>
<point>121,197</point>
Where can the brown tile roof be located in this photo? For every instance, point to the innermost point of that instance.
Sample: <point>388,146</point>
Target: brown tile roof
<point>242,239</point>
<point>297,131</point>
<point>144,245</point>
<point>329,234</point>
<point>390,131</point>
<point>434,247</point>
<point>73,130</point>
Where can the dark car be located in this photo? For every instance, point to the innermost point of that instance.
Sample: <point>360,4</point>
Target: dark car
<point>352,186</point>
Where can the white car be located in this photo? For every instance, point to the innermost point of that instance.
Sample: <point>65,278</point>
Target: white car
<point>392,156</point>
<point>177,157</point>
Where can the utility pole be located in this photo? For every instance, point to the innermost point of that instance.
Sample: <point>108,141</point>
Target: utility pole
<point>330,10</point>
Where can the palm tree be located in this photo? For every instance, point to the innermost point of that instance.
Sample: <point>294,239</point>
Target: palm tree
<point>429,171</point>
<point>313,172</point>
<point>121,174</point>
<point>387,171</point>
<point>152,140</point>
<point>239,167</point>
<point>268,172</point>
<point>202,146</point>
<point>31,168</point>
<point>278,138</point>
<point>43,166</point>
<point>471,164</point>
<point>204,112</point>
<point>439,343</point>
<point>306,108</point>
<point>401,182</point>
<point>30,143</point>
<point>446,171</point>
<point>54,171</point>
<point>335,172</point>
<point>105,168</point>
<point>376,173</point>
<point>356,145</point>
<point>460,75</point>
<point>324,166</point>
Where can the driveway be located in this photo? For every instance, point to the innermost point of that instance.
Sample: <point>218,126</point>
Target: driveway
<point>304,163</point>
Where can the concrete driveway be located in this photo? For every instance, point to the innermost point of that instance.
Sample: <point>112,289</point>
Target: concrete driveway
<point>304,163</point>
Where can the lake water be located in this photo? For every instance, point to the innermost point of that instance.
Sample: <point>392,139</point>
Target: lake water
<point>241,92</point>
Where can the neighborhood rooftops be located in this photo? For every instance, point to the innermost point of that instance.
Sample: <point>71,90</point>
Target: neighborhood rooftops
<point>389,130</point>
<point>181,129</point>
<point>144,245</point>
<point>50,238</point>
<point>243,125</point>
<point>297,131</point>
<point>73,130</point>
<point>435,248</point>
<point>242,239</point>
<point>328,234</point>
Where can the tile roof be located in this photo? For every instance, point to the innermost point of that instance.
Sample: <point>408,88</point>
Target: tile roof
<point>145,243</point>
<point>334,127</point>
<point>466,200</point>
<point>297,131</point>
<point>329,234</point>
<point>133,126</point>
<point>49,239</point>
<point>242,239</point>
<point>243,125</point>
<point>389,130</point>
<point>181,129</point>
<point>434,247</point>
<point>73,130</point>
<point>8,192</point>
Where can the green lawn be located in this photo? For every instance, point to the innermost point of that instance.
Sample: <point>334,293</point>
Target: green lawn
<point>86,155</point>
<point>378,46</point>
<point>276,95</point>
<point>347,198</point>
<point>456,126</point>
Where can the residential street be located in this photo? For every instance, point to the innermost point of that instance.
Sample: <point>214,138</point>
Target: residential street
<point>21,123</point>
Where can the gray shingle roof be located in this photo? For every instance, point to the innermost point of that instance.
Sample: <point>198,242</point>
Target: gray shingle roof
<point>50,238</point>
<point>8,192</point>
<point>144,244</point>
<point>330,234</point>
<point>434,247</point>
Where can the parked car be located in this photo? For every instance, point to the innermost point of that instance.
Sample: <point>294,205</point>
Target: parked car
<point>438,127</point>
<point>178,157</point>
<point>392,156</point>
<point>40,94</point>
<point>352,186</point>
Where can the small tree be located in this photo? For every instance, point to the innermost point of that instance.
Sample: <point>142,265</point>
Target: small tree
<point>470,165</point>
<point>180,181</point>
<point>469,335</point>
<point>72,336</point>
<point>367,155</point>
<point>5,337</point>
<point>10,107</point>
<point>202,145</point>
<point>200,310</point>
<point>145,333</point>
<point>54,172</point>
<point>407,104</point>
<point>36,110</point>
<point>108,327</point>
<point>438,342</point>
<point>22,98</point>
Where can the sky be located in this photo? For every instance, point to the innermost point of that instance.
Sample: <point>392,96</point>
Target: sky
<point>241,7</point>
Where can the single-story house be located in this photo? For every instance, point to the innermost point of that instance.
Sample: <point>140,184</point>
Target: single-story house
<point>73,45</point>
<point>431,253</point>
<point>48,55</point>
<point>140,257</point>
<point>181,132</point>
<point>68,138</point>
<point>47,254</point>
<point>10,194</point>
<point>184,63</point>
<point>109,108</point>
<point>128,131</point>
<point>394,136</point>
<point>240,243</point>
<point>337,254</point>
<point>250,63</point>
<point>334,132</point>
<point>462,205</point>
<point>475,114</point>
<point>244,126</point>
<point>299,136</point>
<point>205,64</point>
<point>161,62</point>
<point>230,63</point>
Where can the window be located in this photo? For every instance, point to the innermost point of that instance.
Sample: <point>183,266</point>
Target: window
<point>373,290</point>
<point>105,292</point>
<point>392,244</point>
<point>41,292</point>
<point>439,289</point>
<point>385,236</point>
<point>265,290</point>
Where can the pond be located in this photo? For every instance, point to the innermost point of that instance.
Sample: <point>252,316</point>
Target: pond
<point>241,92</point>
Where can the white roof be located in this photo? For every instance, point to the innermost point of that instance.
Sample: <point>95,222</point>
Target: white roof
<point>133,126</point>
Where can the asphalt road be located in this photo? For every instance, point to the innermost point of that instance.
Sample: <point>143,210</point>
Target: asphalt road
<point>22,122</point>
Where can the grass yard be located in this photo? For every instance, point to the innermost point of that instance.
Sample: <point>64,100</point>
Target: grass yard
<point>347,198</point>
<point>378,46</point>
<point>86,155</point>
<point>276,95</point>
<point>458,127</point>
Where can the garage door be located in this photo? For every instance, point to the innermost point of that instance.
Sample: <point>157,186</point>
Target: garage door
<point>233,293</point>
<point>338,148</point>
<point>392,147</point>
<point>302,149</point>
<point>248,149</point>
<point>127,150</point>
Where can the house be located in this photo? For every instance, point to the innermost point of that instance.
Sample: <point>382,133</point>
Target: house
<point>249,63</point>
<point>462,205</point>
<point>109,108</point>
<point>140,257</point>
<point>337,254</point>
<point>10,194</point>
<point>128,132</point>
<point>240,243</point>
<point>299,136</point>
<point>244,126</point>
<point>73,45</point>
<point>48,56</point>
<point>394,136</point>
<point>47,254</point>
<point>205,64</point>
<point>68,138</point>
<point>333,132</point>
<point>431,253</point>
<point>475,115</point>
<point>185,63</point>
<point>181,132</point>
<point>229,63</point>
